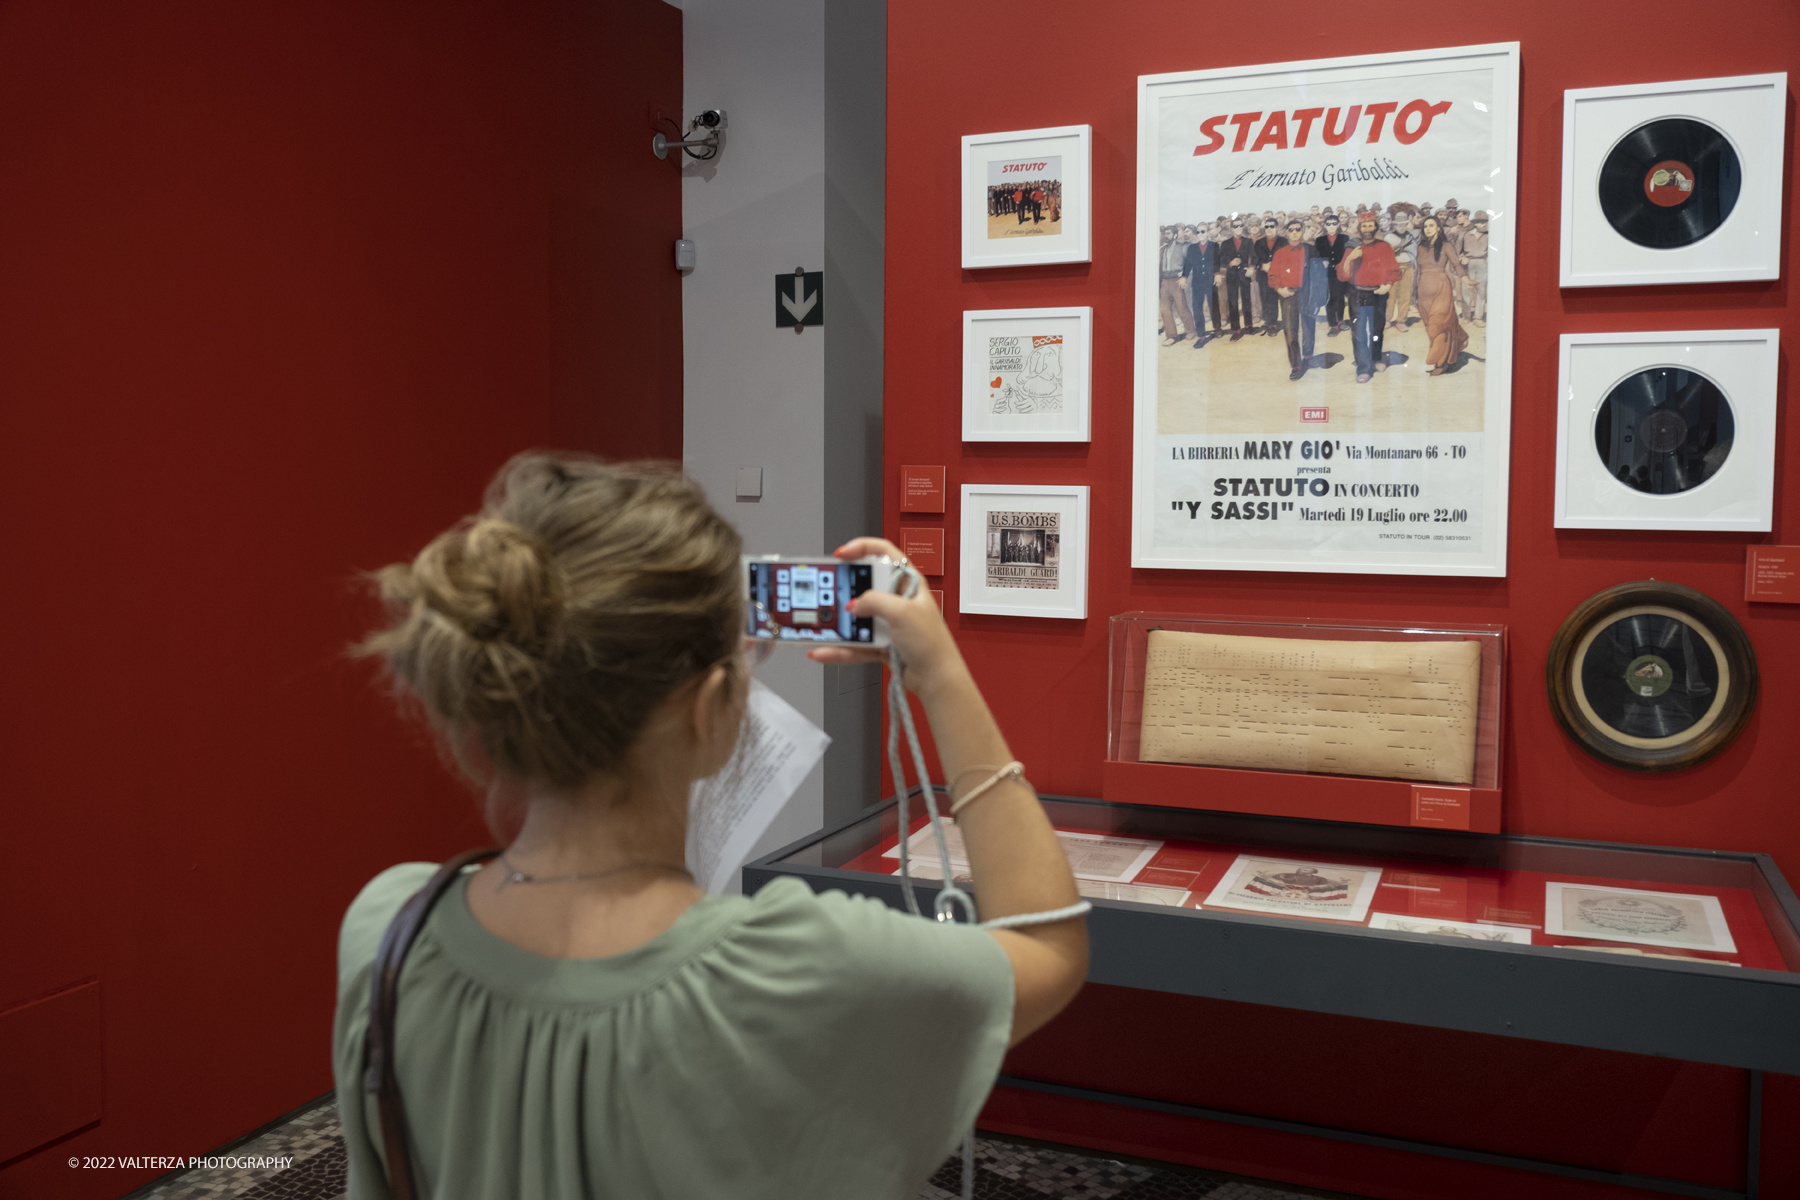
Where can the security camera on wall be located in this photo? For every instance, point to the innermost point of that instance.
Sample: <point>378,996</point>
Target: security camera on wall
<point>710,125</point>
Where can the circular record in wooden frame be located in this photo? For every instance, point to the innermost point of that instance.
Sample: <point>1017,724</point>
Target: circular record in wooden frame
<point>1652,676</point>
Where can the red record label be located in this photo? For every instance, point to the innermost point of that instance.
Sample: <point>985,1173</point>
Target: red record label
<point>1669,182</point>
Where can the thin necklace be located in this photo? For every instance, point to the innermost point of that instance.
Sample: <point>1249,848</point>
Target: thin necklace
<point>514,875</point>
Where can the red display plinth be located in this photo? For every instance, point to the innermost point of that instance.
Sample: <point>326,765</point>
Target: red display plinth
<point>1282,794</point>
<point>1273,706</point>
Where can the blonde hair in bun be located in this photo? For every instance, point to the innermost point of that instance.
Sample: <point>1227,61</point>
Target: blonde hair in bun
<point>548,626</point>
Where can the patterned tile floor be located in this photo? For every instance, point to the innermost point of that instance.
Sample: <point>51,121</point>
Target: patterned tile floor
<point>314,1142</point>
<point>1004,1170</point>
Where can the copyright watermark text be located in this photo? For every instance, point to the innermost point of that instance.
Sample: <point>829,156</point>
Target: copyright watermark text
<point>155,1163</point>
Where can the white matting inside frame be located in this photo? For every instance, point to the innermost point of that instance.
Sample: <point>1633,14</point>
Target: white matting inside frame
<point>1027,374</point>
<point>1750,110</point>
<point>1024,550</point>
<point>1000,231</point>
<point>1738,495</point>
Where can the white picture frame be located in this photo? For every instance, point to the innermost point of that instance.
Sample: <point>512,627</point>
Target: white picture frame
<point>1066,543</point>
<point>1421,436</point>
<point>1702,919</point>
<point>1017,238</point>
<point>1750,110</point>
<point>1027,374</point>
<point>1738,496</point>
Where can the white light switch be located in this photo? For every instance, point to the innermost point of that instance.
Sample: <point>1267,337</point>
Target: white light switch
<point>749,485</point>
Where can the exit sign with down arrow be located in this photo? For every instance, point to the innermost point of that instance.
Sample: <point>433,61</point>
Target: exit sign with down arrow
<point>799,299</point>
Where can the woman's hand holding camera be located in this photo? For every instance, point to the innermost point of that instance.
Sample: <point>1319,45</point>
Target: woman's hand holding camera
<point>916,627</point>
<point>1012,848</point>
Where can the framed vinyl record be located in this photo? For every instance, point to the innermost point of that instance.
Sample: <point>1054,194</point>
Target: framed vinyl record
<point>1667,430</point>
<point>1673,182</point>
<point>1652,676</point>
<point>1026,197</point>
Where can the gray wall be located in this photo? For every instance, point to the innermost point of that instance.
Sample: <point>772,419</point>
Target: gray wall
<point>855,199</point>
<point>799,183</point>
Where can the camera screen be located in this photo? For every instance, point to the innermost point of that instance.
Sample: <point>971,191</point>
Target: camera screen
<point>805,601</point>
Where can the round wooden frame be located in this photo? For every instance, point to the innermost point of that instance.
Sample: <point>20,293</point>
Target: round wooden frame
<point>1707,614</point>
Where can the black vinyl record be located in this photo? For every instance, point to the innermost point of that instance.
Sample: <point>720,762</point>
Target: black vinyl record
<point>1664,430</point>
<point>1649,675</point>
<point>1670,182</point>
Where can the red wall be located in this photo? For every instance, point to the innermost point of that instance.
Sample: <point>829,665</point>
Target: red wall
<point>1064,62</point>
<point>280,285</point>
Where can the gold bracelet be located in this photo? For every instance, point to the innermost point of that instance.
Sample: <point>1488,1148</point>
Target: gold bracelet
<point>1012,770</point>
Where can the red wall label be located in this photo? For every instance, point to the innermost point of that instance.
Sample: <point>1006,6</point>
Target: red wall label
<point>922,489</point>
<point>924,545</point>
<point>1440,807</point>
<point>1772,573</point>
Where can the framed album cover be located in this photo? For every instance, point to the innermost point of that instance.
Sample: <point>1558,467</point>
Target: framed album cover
<point>1667,430</point>
<point>1026,197</point>
<point>1027,374</point>
<point>1324,314</point>
<point>1024,549</point>
<point>1673,182</point>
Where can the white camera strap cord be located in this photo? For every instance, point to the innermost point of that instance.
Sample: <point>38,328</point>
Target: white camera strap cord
<point>949,896</point>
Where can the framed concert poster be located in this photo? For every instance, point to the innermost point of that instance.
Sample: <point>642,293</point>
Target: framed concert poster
<point>1026,197</point>
<point>1024,550</point>
<point>1324,300</point>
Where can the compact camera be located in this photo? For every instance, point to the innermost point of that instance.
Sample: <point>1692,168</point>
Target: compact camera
<point>802,599</point>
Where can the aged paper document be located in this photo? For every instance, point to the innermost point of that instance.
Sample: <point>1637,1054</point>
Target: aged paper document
<point>1091,855</point>
<point>1297,889</point>
<point>728,812</point>
<point>1400,710</point>
<point>1138,893</point>
<point>1438,927</point>
<point>1612,914</point>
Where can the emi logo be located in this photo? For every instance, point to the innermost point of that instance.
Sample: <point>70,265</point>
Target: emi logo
<point>1315,414</point>
<point>799,299</point>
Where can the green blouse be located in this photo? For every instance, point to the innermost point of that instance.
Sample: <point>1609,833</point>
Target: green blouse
<point>784,1045</point>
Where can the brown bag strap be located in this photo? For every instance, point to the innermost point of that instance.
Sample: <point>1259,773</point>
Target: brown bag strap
<point>378,1073</point>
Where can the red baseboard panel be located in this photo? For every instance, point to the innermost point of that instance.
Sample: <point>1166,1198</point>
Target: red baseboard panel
<point>50,1068</point>
<point>1281,794</point>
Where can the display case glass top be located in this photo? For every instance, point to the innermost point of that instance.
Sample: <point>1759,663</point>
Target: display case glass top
<point>1693,908</point>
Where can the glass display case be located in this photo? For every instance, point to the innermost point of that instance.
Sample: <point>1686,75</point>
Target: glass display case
<point>1683,953</point>
<point>1383,723</point>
